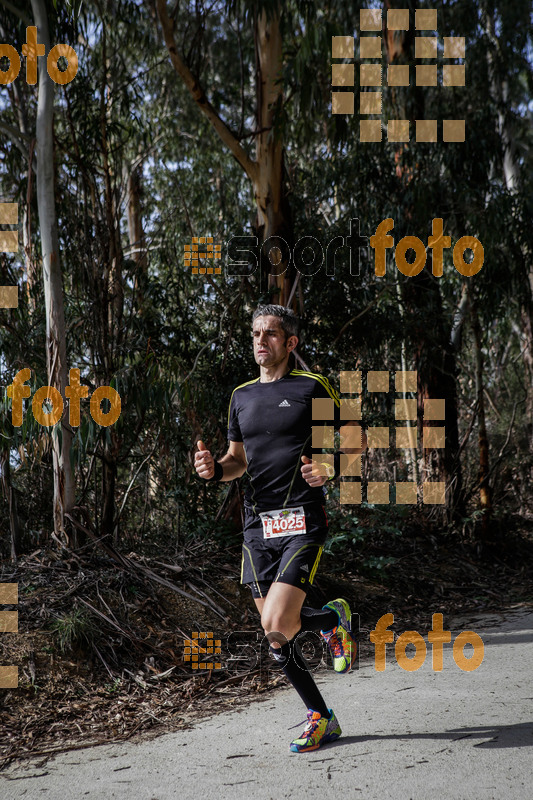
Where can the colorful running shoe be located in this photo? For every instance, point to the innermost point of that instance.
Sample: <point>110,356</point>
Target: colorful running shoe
<point>343,648</point>
<point>318,731</point>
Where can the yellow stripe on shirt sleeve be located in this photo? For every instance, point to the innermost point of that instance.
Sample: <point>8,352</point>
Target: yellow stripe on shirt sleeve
<point>324,381</point>
<point>233,392</point>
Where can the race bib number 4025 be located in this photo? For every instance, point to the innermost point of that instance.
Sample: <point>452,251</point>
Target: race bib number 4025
<point>283,522</point>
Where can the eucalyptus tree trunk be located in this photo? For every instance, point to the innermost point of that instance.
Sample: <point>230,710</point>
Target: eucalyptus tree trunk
<point>56,352</point>
<point>511,175</point>
<point>273,212</point>
<point>431,347</point>
<point>266,171</point>
<point>136,231</point>
<point>11,500</point>
<point>485,494</point>
<point>112,331</point>
<point>500,90</point>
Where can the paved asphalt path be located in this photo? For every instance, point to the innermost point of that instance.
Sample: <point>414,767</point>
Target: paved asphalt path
<point>420,735</point>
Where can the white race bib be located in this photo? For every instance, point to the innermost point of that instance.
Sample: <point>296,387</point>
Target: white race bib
<point>283,522</point>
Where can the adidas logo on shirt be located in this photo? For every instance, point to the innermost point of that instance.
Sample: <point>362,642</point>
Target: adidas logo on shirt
<point>284,404</point>
<point>305,568</point>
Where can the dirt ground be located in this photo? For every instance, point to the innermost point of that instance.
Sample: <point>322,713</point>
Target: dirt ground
<point>102,648</point>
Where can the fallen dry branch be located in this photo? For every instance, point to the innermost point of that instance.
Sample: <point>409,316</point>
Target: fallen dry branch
<point>131,566</point>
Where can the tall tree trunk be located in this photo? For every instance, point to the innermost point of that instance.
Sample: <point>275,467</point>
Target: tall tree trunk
<point>113,291</point>
<point>21,115</point>
<point>485,493</point>
<point>527,352</point>
<point>11,499</point>
<point>436,366</point>
<point>411,455</point>
<point>266,172</point>
<point>109,475</point>
<point>431,346</point>
<point>499,91</point>
<point>273,212</point>
<point>56,352</point>
<point>510,170</point>
<point>136,232</point>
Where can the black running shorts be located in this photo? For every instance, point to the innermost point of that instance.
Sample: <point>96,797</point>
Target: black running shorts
<point>286,559</point>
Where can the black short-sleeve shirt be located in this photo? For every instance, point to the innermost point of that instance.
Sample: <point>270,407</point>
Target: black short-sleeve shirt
<point>274,422</point>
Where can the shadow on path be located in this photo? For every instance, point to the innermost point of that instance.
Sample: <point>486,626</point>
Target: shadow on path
<point>519,735</point>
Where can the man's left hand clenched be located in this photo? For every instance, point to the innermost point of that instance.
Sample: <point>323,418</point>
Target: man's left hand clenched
<point>310,472</point>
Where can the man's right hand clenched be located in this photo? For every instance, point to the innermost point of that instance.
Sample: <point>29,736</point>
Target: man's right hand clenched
<point>204,463</point>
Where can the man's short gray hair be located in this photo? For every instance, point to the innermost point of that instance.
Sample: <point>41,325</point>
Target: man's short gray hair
<point>289,322</point>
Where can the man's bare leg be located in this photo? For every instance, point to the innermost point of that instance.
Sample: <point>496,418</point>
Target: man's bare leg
<point>280,611</point>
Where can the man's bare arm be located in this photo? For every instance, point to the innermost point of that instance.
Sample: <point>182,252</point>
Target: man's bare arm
<point>234,462</point>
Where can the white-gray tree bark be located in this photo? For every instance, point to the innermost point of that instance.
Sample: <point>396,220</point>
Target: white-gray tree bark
<point>56,350</point>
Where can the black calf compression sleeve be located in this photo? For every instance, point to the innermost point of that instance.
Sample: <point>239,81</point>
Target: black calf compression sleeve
<point>294,666</point>
<point>318,619</point>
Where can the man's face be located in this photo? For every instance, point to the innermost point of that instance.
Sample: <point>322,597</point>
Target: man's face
<point>271,346</point>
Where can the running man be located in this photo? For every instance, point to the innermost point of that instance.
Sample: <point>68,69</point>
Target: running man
<point>269,432</point>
